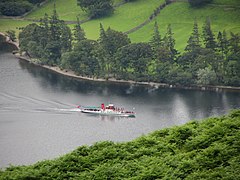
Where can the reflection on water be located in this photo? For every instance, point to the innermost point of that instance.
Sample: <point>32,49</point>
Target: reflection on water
<point>39,119</point>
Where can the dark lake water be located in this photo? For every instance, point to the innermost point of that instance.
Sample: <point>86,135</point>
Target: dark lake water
<point>39,119</point>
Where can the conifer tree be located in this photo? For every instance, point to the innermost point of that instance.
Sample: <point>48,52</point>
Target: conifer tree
<point>208,36</point>
<point>44,33</point>
<point>225,42</point>
<point>102,37</point>
<point>78,32</point>
<point>55,30</point>
<point>170,42</point>
<point>194,39</point>
<point>222,42</point>
<point>234,43</point>
<point>103,55</point>
<point>156,41</point>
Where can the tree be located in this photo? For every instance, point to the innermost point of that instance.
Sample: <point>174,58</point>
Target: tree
<point>198,3</point>
<point>234,43</point>
<point>156,42</point>
<point>208,36</point>
<point>110,41</point>
<point>115,40</point>
<point>194,39</point>
<point>82,59</point>
<point>55,26</point>
<point>78,32</point>
<point>222,43</point>
<point>96,8</point>
<point>206,76</point>
<point>48,40</point>
<point>45,32</point>
<point>232,73</point>
<point>35,1</point>
<point>14,8</point>
<point>30,34</point>
<point>170,42</point>
<point>133,60</point>
<point>66,38</point>
<point>59,39</point>
<point>12,35</point>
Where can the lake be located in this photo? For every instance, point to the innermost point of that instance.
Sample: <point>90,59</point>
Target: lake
<point>39,119</point>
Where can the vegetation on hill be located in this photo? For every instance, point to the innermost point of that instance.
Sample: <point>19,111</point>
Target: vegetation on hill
<point>198,3</point>
<point>181,16</point>
<point>97,8</point>
<point>197,150</point>
<point>209,59</point>
<point>17,7</point>
<point>223,13</point>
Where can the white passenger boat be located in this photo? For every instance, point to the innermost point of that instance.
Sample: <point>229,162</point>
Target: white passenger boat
<point>109,110</point>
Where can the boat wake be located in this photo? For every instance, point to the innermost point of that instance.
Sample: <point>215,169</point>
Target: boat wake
<point>15,103</point>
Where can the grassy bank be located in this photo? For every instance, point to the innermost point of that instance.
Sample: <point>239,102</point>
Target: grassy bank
<point>197,150</point>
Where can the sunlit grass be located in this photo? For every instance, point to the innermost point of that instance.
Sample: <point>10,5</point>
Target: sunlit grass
<point>67,10</point>
<point>10,24</point>
<point>227,2</point>
<point>181,17</point>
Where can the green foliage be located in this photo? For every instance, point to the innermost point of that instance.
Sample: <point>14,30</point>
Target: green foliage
<point>198,3</point>
<point>15,7</point>
<point>197,150</point>
<point>113,55</point>
<point>35,1</point>
<point>208,36</point>
<point>133,60</point>
<point>206,77</point>
<point>78,32</point>
<point>12,35</point>
<point>46,41</point>
<point>96,8</point>
<point>194,39</point>
<point>82,59</point>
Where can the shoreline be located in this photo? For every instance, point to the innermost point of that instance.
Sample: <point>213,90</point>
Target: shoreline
<point>72,74</point>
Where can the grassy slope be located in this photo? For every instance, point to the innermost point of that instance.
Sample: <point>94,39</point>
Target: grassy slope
<point>223,13</point>
<point>206,150</point>
<point>125,17</point>
<point>67,10</point>
<point>7,24</point>
<point>181,17</point>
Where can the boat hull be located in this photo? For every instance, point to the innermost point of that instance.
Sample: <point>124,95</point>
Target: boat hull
<point>108,113</point>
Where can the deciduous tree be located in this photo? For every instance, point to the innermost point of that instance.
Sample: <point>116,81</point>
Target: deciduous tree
<point>96,8</point>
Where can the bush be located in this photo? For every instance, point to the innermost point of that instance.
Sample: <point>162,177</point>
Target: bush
<point>197,3</point>
<point>15,8</point>
<point>206,77</point>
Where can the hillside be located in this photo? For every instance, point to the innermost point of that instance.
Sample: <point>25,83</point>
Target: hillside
<point>181,16</point>
<point>223,13</point>
<point>197,150</point>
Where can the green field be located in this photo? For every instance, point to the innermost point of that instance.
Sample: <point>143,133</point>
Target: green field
<point>224,14</point>
<point>125,17</point>
<point>11,24</point>
<point>67,10</point>
<point>181,16</point>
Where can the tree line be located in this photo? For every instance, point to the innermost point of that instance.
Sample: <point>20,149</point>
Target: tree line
<point>17,7</point>
<point>207,60</point>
